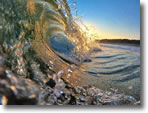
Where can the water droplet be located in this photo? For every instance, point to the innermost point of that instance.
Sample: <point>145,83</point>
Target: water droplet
<point>68,75</point>
<point>60,73</point>
<point>50,62</point>
<point>69,70</point>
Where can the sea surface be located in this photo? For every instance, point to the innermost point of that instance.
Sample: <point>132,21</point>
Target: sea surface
<point>117,67</point>
<point>59,41</point>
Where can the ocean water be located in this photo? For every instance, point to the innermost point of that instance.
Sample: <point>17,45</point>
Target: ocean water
<point>116,67</point>
<point>48,28</point>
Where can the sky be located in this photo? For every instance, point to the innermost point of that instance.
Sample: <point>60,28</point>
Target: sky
<point>112,18</point>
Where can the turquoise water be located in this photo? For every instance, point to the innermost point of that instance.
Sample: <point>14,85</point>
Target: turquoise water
<point>118,67</point>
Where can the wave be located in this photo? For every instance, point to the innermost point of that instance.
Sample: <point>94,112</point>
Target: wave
<point>55,25</point>
<point>45,31</point>
<point>114,70</point>
<point>48,28</point>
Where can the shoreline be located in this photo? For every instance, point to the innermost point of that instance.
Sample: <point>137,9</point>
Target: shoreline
<point>120,42</point>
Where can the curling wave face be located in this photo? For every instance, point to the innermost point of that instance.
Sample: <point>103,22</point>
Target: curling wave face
<point>56,38</point>
<point>56,26</point>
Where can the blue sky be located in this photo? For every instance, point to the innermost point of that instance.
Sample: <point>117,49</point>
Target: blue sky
<point>119,18</point>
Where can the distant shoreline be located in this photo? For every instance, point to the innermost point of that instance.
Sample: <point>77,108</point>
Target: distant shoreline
<point>120,41</point>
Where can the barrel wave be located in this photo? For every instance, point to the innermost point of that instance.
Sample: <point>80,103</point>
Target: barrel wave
<point>45,31</point>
